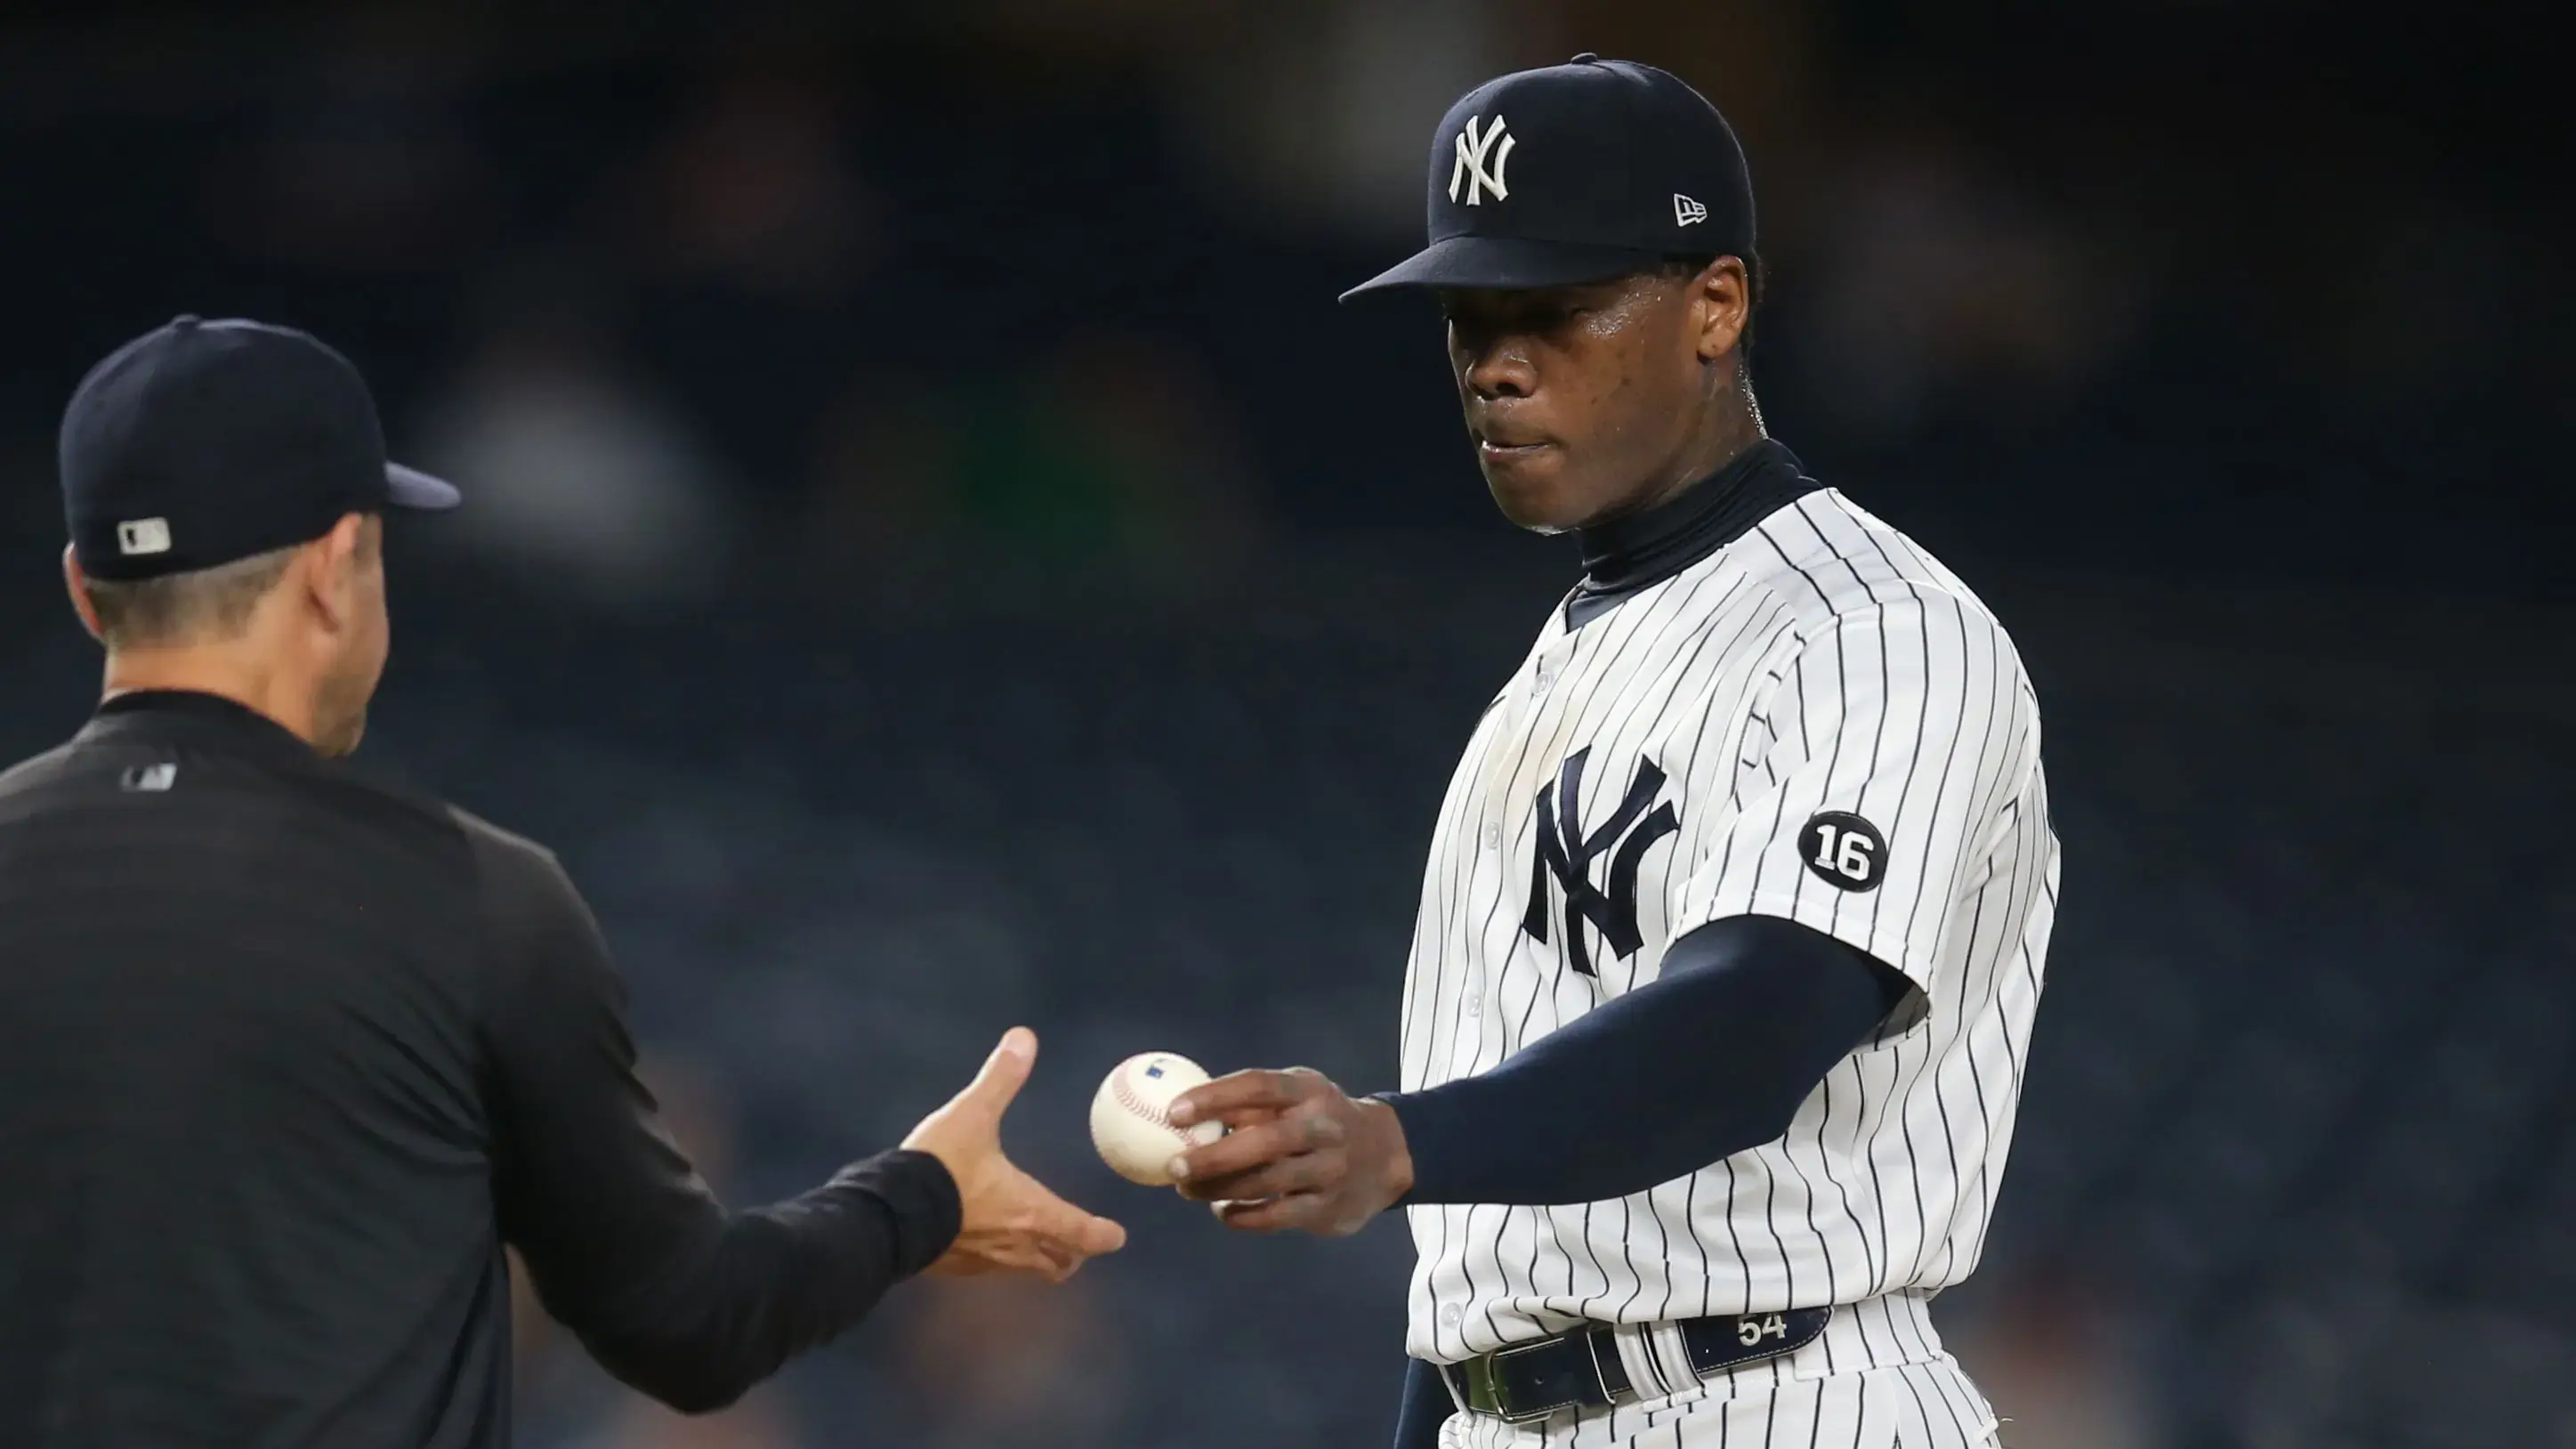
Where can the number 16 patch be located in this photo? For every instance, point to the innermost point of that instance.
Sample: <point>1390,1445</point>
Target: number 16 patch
<point>1844,851</point>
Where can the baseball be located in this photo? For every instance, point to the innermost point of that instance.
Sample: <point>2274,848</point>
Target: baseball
<point>1127,1121</point>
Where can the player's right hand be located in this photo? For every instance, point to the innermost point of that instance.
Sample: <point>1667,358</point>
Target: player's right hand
<point>1011,1222</point>
<point>1302,1156</point>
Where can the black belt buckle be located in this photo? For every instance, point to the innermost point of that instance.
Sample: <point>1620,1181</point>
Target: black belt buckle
<point>1526,1382</point>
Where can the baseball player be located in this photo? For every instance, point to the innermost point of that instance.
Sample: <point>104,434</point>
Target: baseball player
<point>1737,905</point>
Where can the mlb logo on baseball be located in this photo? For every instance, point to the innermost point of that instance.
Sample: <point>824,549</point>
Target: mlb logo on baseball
<point>143,536</point>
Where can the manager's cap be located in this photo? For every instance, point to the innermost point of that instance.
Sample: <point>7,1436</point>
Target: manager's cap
<point>201,443</point>
<point>1577,173</point>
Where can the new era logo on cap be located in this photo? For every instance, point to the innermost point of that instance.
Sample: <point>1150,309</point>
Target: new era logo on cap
<point>1687,211</point>
<point>139,536</point>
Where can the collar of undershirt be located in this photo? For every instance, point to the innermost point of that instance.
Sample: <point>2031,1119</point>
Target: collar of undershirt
<point>1628,555</point>
<point>162,713</point>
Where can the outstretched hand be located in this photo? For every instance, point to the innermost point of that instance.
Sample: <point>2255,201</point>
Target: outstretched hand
<point>1301,1156</point>
<point>1011,1223</point>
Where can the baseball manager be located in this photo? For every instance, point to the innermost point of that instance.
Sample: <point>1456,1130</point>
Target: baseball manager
<point>287,1056</point>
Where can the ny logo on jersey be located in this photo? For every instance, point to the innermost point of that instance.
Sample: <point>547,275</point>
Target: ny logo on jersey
<point>1566,852</point>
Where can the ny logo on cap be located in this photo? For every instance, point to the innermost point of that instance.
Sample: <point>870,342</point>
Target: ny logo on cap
<point>1687,211</point>
<point>1473,153</point>
<point>143,535</point>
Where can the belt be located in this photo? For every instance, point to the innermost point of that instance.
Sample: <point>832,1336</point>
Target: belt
<point>1581,1370</point>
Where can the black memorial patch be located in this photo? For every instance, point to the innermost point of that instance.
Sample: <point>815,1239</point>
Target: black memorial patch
<point>1844,851</point>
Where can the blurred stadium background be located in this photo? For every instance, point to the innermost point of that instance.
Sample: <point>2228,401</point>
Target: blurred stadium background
<point>939,559</point>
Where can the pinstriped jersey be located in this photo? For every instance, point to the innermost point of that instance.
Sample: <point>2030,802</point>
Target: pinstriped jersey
<point>1817,721</point>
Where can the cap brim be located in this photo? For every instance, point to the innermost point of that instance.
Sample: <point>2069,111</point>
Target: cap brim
<point>1503,262</point>
<point>412,488</point>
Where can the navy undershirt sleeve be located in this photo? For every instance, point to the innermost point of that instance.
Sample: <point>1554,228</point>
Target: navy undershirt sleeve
<point>1711,1058</point>
<point>1427,1406</point>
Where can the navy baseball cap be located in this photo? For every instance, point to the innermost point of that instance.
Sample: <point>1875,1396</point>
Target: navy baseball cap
<point>1577,173</point>
<point>202,443</point>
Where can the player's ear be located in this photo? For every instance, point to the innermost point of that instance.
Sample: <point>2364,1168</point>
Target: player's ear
<point>331,567</point>
<point>1721,303</point>
<point>76,584</point>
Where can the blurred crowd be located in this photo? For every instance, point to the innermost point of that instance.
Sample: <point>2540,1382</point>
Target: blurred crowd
<point>2141,287</point>
<point>938,558</point>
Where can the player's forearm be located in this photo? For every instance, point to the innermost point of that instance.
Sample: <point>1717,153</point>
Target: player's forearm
<point>1711,1059</point>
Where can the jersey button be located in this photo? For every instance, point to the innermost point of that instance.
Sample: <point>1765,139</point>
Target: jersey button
<point>1493,837</point>
<point>1475,1003</point>
<point>1450,1314</point>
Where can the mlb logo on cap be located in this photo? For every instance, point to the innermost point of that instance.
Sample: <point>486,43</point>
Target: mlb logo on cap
<point>142,536</point>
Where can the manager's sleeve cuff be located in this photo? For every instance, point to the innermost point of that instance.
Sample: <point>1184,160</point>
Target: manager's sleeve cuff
<point>917,1190</point>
